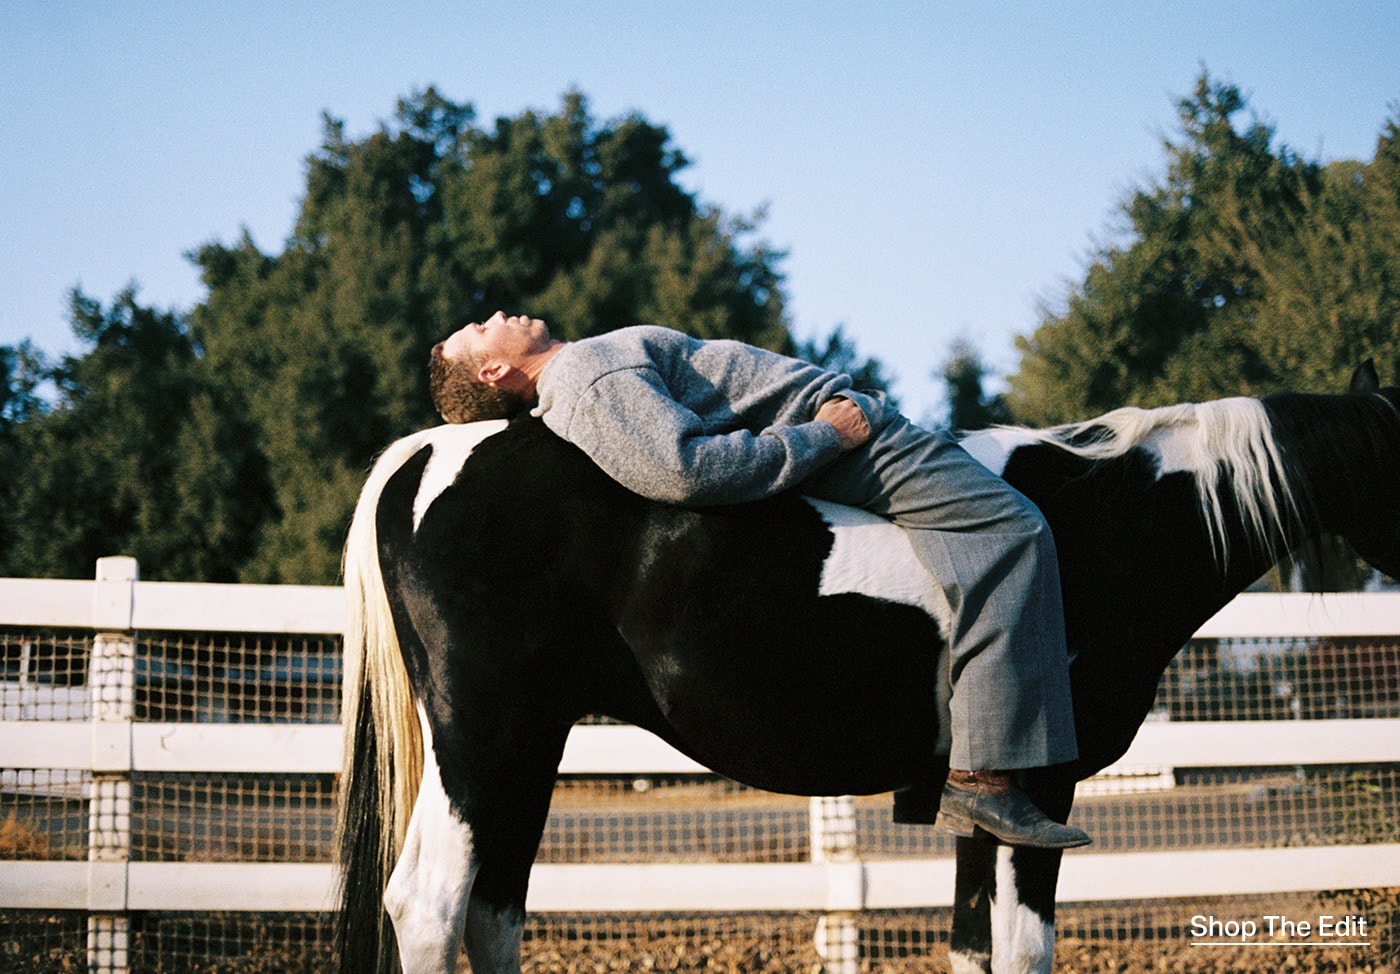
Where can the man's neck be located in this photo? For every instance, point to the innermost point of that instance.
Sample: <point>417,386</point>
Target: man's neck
<point>533,366</point>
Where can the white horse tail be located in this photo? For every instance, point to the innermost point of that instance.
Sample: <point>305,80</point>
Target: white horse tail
<point>382,762</point>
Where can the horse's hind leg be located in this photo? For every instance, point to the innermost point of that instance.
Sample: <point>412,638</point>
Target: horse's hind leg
<point>493,937</point>
<point>459,878</point>
<point>509,808</point>
<point>426,896</point>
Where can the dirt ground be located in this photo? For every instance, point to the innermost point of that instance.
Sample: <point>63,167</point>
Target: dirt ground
<point>1071,957</point>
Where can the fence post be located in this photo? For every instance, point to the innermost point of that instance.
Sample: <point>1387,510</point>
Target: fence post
<point>112,685</point>
<point>833,841</point>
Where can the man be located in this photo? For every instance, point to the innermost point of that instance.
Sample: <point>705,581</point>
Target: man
<point>693,422</point>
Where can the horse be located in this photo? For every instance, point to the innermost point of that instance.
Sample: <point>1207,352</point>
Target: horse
<point>501,587</point>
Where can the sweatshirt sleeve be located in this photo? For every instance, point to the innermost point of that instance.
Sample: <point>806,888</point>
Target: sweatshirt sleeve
<point>629,424</point>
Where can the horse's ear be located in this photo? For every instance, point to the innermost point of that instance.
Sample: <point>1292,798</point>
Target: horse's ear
<point>1365,379</point>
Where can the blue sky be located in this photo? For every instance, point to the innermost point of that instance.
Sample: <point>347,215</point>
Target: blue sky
<point>934,170</point>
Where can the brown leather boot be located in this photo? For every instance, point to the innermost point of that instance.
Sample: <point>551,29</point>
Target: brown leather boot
<point>991,800</point>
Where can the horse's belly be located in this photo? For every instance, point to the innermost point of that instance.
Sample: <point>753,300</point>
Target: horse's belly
<point>839,725</point>
<point>827,689</point>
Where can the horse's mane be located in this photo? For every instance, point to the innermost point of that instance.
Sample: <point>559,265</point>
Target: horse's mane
<point>1227,445</point>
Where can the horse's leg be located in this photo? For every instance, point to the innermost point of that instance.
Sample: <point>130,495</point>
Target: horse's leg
<point>1023,901</point>
<point>1004,908</point>
<point>467,876</point>
<point>1023,910</point>
<point>508,808</point>
<point>493,937</point>
<point>426,895</point>
<point>970,942</point>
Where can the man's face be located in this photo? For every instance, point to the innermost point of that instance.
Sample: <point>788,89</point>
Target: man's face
<point>498,339</point>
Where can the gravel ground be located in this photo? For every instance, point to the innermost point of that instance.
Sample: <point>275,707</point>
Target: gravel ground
<point>1071,957</point>
<point>1119,938</point>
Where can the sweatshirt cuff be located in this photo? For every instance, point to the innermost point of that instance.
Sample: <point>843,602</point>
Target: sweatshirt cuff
<point>821,437</point>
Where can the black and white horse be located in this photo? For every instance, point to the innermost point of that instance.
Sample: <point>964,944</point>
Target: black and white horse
<point>501,587</point>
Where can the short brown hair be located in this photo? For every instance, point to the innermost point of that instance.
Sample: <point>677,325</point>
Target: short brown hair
<point>460,397</point>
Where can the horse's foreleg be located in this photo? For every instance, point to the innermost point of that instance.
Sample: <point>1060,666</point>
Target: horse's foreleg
<point>1004,909</point>
<point>426,896</point>
<point>970,943</point>
<point>1023,910</point>
<point>1023,898</point>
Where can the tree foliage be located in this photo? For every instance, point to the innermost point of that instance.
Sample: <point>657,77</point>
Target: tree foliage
<point>229,443</point>
<point>1244,270</point>
<point>135,455</point>
<point>970,407</point>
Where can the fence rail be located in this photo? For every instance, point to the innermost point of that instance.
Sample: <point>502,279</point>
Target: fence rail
<point>110,744</point>
<point>625,750</point>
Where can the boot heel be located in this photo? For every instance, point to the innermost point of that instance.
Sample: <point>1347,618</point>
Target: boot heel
<point>956,824</point>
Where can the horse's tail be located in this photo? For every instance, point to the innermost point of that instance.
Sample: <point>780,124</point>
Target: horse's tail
<point>382,762</point>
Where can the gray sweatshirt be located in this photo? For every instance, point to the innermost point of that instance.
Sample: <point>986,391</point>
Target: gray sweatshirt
<point>686,421</point>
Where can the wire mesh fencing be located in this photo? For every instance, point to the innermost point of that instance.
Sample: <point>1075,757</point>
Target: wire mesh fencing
<point>248,817</point>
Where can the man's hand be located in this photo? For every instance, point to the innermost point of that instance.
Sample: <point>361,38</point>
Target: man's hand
<point>848,421</point>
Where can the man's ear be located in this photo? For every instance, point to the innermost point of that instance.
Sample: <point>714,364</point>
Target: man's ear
<point>492,372</point>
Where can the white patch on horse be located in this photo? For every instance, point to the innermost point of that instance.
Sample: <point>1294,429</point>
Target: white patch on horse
<point>871,556</point>
<point>427,894</point>
<point>451,444</point>
<point>1226,446</point>
<point>1022,943</point>
<point>968,962</point>
<point>993,447</point>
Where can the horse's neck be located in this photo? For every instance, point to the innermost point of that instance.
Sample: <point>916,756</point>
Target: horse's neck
<point>1331,457</point>
<point>1139,553</point>
<point>1341,453</point>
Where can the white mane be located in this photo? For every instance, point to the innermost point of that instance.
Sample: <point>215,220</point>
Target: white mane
<point>1226,444</point>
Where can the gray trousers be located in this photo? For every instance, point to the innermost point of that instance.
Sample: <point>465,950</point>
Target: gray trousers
<point>990,549</point>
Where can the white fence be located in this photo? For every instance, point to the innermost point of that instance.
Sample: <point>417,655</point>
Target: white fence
<point>112,745</point>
